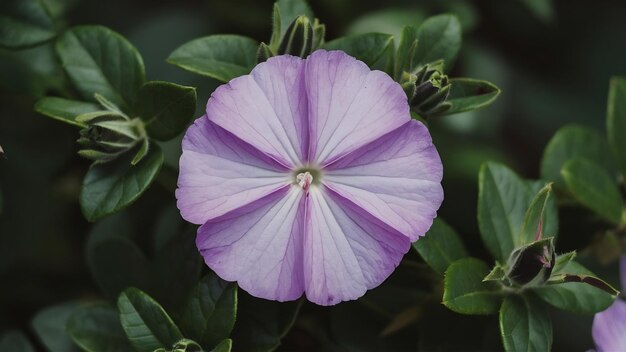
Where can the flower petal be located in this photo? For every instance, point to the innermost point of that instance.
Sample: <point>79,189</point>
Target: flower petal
<point>349,105</point>
<point>396,178</point>
<point>609,328</point>
<point>259,245</point>
<point>266,108</point>
<point>346,250</point>
<point>219,173</point>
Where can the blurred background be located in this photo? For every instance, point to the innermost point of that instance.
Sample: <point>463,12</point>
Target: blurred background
<point>551,59</point>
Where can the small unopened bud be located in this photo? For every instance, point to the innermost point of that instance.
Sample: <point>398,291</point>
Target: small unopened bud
<point>298,39</point>
<point>263,53</point>
<point>106,136</point>
<point>532,264</point>
<point>432,88</point>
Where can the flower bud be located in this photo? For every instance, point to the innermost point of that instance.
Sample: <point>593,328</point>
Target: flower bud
<point>532,264</point>
<point>106,135</point>
<point>298,40</point>
<point>432,88</point>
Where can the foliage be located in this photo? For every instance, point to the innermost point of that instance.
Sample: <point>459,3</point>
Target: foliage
<point>147,288</point>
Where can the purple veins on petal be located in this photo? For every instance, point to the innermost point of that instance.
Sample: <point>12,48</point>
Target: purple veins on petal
<point>308,177</point>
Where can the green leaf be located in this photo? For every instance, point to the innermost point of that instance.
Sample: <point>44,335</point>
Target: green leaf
<point>25,23</point>
<point>99,60</point>
<point>97,328</point>
<point>594,188</point>
<point>440,247</point>
<point>112,186</point>
<point>15,341</point>
<point>49,325</point>
<point>502,202</point>
<point>532,228</point>
<point>525,324</point>
<point>616,121</point>
<point>574,141</point>
<point>65,110</point>
<point>551,214</point>
<point>575,297</point>
<point>368,47</point>
<point>117,263</point>
<point>562,261</point>
<point>222,57</point>
<point>289,10</point>
<point>406,51</point>
<point>464,289</point>
<point>438,38</point>
<point>469,94</point>
<point>262,324</point>
<point>166,108</point>
<point>176,270</point>
<point>210,313</point>
<point>224,346</point>
<point>497,273</point>
<point>147,325</point>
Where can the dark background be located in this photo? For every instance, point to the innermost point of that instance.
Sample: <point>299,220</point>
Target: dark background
<point>552,61</point>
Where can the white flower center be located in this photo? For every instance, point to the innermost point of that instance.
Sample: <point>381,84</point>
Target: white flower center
<point>304,180</point>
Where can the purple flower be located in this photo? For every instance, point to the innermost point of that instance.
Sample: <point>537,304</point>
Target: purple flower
<point>609,326</point>
<point>308,176</point>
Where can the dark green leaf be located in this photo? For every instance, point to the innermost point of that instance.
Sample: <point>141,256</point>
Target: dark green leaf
<point>116,263</point>
<point>65,110</point>
<point>440,247</point>
<point>224,346</point>
<point>97,328</point>
<point>166,108</point>
<point>147,325</point>
<point>406,51</point>
<point>176,270</point>
<point>262,324</point>
<point>594,188</point>
<point>532,227</point>
<point>222,57</point>
<point>525,324</point>
<point>562,261</point>
<point>25,23</point>
<point>99,60</point>
<point>15,341</point>
<point>502,202</point>
<point>49,325</point>
<point>616,121</point>
<point>551,215</point>
<point>469,94</point>
<point>576,297</point>
<point>574,141</point>
<point>289,10</point>
<point>110,187</point>
<point>368,47</point>
<point>438,38</point>
<point>465,291</point>
<point>210,313</point>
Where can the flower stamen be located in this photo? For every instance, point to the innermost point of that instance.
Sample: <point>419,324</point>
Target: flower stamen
<point>304,180</point>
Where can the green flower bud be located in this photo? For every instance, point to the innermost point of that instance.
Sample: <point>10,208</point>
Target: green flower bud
<point>298,39</point>
<point>107,135</point>
<point>301,38</point>
<point>532,264</point>
<point>263,53</point>
<point>432,88</point>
